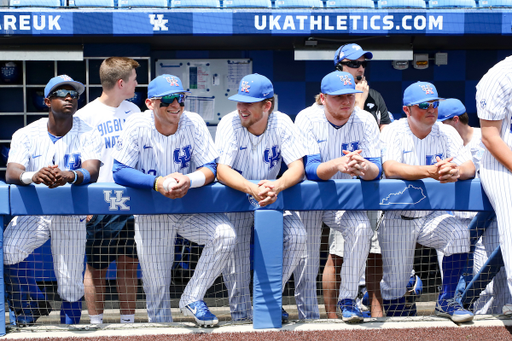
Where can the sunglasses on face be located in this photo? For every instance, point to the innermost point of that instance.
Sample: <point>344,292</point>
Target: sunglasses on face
<point>63,93</point>
<point>355,64</point>
<point>168,100</point>
<point>426,105</point>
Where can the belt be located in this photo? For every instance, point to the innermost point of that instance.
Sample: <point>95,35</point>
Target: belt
<point>409,218</point>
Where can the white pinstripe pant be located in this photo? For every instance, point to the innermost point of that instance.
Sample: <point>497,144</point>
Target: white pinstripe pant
<point>357,232</point>
<point>24,234</point>
<point>237,274</point>
<point>155,236</point>
<point>398,237</point>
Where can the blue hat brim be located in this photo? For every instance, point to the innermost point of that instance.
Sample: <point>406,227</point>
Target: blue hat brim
<point>170,93</point>
<point>441,119</point>
<point>426,99</point>
<point>344,92</point>
<point>77,85</point>
<point>368,55</point>
<point>245,99</point>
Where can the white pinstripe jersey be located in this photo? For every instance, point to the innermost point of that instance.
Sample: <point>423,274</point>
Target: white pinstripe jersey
<point>400,144</point>
<point>142,147</point>
<point>109,121</point>
<point>493,98</point>
<point>258,157</point>
<point>320,137</point>
<point>32,147</point>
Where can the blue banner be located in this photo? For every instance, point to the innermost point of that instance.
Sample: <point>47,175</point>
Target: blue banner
<point>266,22</point>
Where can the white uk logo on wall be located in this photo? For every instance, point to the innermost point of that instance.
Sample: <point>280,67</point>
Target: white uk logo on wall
<point>158,22</point>
<point>117,202</point>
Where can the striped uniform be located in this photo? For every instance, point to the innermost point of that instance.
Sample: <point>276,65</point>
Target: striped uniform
<point>493,96</point>
<point>436,229</point>
<point>109,121</point>
<point>257,158</point>
<point>320,137</point>
<point>143,148</point>
<point>32,147</point>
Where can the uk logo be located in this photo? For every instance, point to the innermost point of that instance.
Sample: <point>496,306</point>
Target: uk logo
<point>351,146</point>
<point>431,159</point>
<point>345,79</point>
<point>183,158</point>
<point>272,159</point>
<point>158,22</point>
<point>244,87</point>
<point>172,81</point>
<point>118,202</point>
<point>72,161</point>
<point>427,89</point>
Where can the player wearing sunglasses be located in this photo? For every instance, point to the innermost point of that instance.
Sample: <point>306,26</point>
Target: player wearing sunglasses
<point>353,59</point>
<point>170,150</point>
<point>414,148</point>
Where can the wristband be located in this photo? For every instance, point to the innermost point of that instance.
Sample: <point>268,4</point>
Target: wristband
<point>76,177</point>
<point>86,174</point>
<point>155,187</point>
<point>197,179</point>
<point>26,177</point>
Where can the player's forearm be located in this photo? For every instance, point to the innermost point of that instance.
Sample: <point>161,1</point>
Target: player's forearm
<point>231,178</point>
<point>373,171</point>
<point>326,170</point>
<point>467,170</point>
<point>499,149</point>
<point>293,175</point>
<point>396,170</point>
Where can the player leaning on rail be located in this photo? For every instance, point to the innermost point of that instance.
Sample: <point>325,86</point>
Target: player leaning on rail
<point>53,151</point>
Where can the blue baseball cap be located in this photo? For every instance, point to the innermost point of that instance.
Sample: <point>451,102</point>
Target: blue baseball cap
<point>253,88</point>
<point>339,83</point>
<point>450,108</point>
<point>420,92</point>
<point>164,85</point>
<point>61,80</point>
<point>351,52</point>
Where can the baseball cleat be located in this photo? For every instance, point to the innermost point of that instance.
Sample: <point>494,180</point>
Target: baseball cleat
<point>199,310</point>
<point>284,315</point>
<point>414,290</point>
<point>507,310</point>
<point>349,312</point>
<point>452,309</point>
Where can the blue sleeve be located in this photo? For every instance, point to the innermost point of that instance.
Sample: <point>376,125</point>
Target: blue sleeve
<point>378,162</point>
<point>130,177</point>
<point>312,162</point>
<point>211,166</point>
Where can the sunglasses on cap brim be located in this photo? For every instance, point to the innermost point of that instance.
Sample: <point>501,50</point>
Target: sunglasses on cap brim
<point>426,105</point>
<point>165,101</point>
<point>63,93</point>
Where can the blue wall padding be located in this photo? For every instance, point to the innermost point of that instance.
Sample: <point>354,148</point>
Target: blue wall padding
<point>268,269</point>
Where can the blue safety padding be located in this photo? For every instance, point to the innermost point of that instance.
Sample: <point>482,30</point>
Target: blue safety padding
<point>91,3</point>
<point>299,4</point>
<point>4,199</point>
<point>247,4</point>
<point>494,3</point>
<point>349,4</point>
<point>35,3</point>
<point>108,198</point>
<point>401,4</point>
<point>268,269</point>
<point>451,4</point>
<point>2,287</point>
<point>195,4</point>
<point>143,3</point>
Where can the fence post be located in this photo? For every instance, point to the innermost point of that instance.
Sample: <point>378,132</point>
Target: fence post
<point>268,269</point>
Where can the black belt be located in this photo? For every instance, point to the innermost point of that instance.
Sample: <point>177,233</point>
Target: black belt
<point>409,218</point>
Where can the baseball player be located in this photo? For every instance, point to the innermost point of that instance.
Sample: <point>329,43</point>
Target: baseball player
<point>253,141</point>
<point>353,59</point>
<point>493,102</point>
<point>110,237</point>
<point>453,112</point>
<point>413,148</point>
<point>167,142</point>
<point>342,142</point>
<point>53,151</point>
